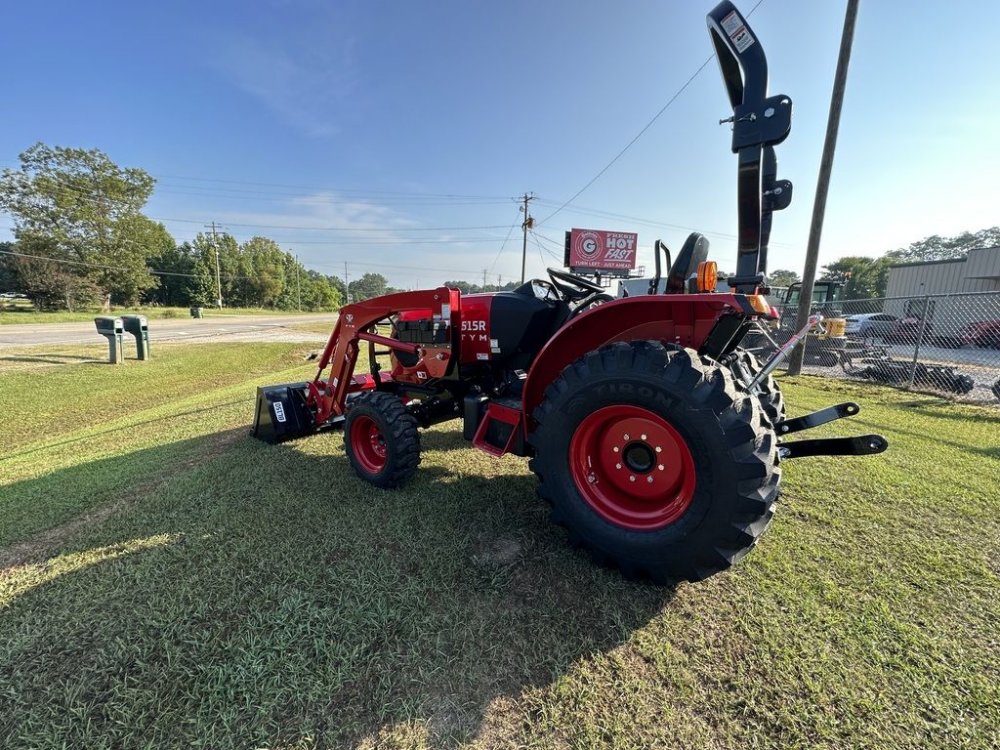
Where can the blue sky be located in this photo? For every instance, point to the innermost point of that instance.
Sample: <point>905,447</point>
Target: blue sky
<point>375,115</point>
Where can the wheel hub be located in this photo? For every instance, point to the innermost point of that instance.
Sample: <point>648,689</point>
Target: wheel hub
<point>369,444</point>
<point>632,467</point>
<point>639,457</point>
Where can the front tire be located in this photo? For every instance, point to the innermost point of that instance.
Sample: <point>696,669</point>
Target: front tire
<point>602,434</point>
<point>381,439</point>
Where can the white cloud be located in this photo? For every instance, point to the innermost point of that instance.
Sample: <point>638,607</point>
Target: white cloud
<point>306,84</point>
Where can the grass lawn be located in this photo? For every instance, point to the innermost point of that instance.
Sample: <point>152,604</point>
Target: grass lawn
<point>165,581</point>
<point>19,313</point>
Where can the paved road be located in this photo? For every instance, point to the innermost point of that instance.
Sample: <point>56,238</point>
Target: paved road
<point>233,328</point>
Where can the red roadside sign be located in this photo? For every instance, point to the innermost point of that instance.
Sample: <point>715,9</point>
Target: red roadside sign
<point>601,250</point>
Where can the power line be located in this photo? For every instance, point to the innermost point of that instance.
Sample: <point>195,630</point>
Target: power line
<point>539,246</point>
<point>394,241</point>
<point>639,135</point>
<point>334,189</point>
<point>504,243</point>
<point>536,237</point>
<point>321,189</point>
<point>154,272</point>
<point>85,195</point>
<point>341,229</point>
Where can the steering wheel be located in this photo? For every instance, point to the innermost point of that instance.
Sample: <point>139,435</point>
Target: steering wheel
<point>573,288</point>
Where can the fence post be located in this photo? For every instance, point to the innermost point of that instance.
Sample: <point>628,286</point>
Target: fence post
<point>916,346</point>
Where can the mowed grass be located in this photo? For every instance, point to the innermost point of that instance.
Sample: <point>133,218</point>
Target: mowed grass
<point>21,311</point>
<point>165,581</point>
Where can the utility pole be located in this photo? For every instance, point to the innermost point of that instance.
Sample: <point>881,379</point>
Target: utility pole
<point>485,271</point>
<point>298,284</point>
<point>347,285</point>
<point>527,224</point>
<point>823,182</point>
<point>218,272</point>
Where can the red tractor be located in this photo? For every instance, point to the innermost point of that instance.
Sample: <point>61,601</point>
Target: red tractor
<point>654,436</point>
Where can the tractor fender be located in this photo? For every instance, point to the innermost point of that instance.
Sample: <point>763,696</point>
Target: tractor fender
<point>678,319</point>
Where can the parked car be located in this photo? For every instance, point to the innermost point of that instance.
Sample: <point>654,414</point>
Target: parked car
<point>907,331</point>
<point>869,325</point>
<point>984,333</point>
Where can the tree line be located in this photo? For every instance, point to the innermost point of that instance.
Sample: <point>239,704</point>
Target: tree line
<point>868,278</point>
<point>81,239</point>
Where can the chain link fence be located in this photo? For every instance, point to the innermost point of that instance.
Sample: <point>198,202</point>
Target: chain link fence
<point>947,344</point>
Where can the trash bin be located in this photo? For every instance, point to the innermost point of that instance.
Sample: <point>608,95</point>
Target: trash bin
<point>196,312</point>
<point>113,329</point>
<point>138,326</point>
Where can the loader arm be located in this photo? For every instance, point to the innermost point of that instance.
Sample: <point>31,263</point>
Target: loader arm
<point>327,396</point>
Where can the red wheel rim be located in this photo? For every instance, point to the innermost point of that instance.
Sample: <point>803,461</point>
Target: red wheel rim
<point>369,444</point>
<point>632,467</point>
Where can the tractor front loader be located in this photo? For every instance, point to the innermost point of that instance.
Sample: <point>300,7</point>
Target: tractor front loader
<point>656,437</point>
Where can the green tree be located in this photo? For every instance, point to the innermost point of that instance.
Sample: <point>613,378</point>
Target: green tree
<point>50,286</point>
<point>338,283</point>
<point>463,286</point>
<point>368,286</point>
<point>318,293</point>
<point>864,278</point>
<point>177,282</point>
<point>936,247</point>
<point>782,277</point>
<point>204,290</point>
<point>77,205</point>
<point>8,273</point>
<point>264,268</point>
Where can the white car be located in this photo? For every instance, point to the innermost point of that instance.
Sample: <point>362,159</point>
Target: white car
<point>869,325</point>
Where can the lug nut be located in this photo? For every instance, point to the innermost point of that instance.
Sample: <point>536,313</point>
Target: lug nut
<point>659,449</point>
<point>631,477</point>
<point>660,467</point>
<point>618,466</point>
<point>625,437</point>
<point>650,479</point>
<point>643,437</point>
<point>615,449</point>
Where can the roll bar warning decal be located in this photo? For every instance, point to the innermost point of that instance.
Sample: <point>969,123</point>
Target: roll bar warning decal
<point>737,30</point>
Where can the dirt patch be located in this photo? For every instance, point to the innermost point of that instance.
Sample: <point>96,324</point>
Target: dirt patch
<point>48,543</point>
<point>500,551</point>
<point>45,544</point>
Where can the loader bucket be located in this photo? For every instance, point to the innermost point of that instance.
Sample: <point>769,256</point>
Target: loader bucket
<point>282,413</point>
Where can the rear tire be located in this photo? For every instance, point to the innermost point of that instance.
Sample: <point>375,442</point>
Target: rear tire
<point>772,402</point>
<point>719,483</point>
<point>381,439</point>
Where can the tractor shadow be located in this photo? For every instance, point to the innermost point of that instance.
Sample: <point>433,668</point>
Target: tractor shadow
<point>50,360</point>
<point>299,601</point>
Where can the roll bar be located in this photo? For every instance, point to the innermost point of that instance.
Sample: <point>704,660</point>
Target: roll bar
<point>760,122</point>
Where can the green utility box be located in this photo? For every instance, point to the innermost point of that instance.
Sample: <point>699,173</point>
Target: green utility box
<point>138,326</point>
<point>196,312</point>
<point>113,329</point>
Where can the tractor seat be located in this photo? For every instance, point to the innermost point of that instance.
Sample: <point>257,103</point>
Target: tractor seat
<point>693,252</point>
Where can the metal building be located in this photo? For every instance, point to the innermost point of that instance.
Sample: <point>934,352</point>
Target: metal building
<point>979,272</point>
<point>912,288</point>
